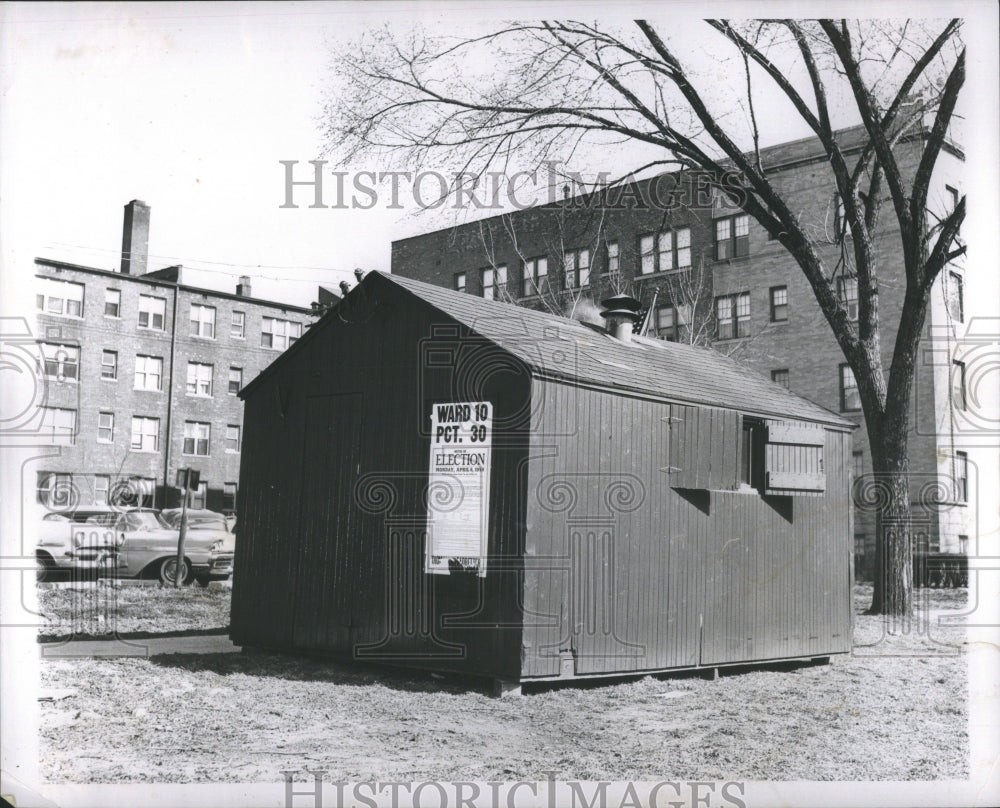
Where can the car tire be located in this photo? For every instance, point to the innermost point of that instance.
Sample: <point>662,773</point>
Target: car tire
<point>166,572</point>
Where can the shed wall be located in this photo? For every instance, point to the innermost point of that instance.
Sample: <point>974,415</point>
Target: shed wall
<point>627,571</point>
<point>332,510</point>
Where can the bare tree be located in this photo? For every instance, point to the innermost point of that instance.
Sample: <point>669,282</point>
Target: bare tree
<point>548,87</point>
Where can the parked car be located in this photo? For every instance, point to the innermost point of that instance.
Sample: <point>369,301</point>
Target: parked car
<point>207,524</point>
<point>55,535</point>
<point>142,544</point>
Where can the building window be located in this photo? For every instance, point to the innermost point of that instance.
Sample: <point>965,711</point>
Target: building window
<point>199,379</point>
<point>958,385</point>
<point>60,424</point>
<point>956,297</point>
<point>229,496</point>
<point>842,228</point>
<point>102,485</point>
<point>858,464</point>
<point>232,438</point>
<point>278,334</point>
<point>850,399</point>
<point>779,304</point>
<point>732,315</point>
<point>199,495</point>
<point>963,544</point>
<point>152,312</point>
<point>105,427</point>
<point>732,236</point>
<point>613,259</point>
<point>55,490</point>
<point>202,321</point>
<point>109,365</point>
<point>237,326</point>
<point>459,281</point>
<point>576,264</point>
<point>536,276</point>
<point>670,321</point>
<point>847,291</point>
<point>780,377</point>
<point>953,199</point>
<point>148,373</point>
<point>196,438</point>
<point>235,380</point>
<point>62,362</point>
<point>145,434</point>
<point>112,303</point>
<point>494,281</point>
<point>60,297</point>
<point>665,251</point>
<point>962,476</point>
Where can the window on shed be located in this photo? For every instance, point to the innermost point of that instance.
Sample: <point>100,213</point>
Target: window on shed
<point>751,453</point>
<point>793,458</point>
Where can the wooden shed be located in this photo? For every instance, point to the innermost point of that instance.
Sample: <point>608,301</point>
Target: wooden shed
<point>440,481</point>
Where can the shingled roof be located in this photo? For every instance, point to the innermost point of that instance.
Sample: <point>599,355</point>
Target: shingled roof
<point>566,349</point>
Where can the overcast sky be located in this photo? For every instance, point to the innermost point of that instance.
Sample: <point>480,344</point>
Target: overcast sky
<point>189,107</point>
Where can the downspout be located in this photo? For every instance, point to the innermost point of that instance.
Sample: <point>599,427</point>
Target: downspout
<point>170,398</point>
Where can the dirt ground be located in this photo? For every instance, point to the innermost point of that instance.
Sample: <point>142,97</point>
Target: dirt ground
<point>895,709</point>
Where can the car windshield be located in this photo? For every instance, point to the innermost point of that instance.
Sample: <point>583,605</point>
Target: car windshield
<point>142,520</point>
<point>103,519</point>
<point>197,520</point>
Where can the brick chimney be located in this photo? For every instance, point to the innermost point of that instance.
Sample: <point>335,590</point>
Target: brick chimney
<point>243,287</point>
<point>135,238</point>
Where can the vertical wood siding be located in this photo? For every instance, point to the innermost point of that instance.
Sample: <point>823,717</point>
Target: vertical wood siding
<point>332,512</point>
<point>631,566</point>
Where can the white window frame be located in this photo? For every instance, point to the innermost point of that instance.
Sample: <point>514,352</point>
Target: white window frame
<point>145,428</point>
<point>148,308</point>
<point>238,325</point>
<point>113,297</point>
<point>282,335</point>
<point>142,362</point>
<point>576,268</point>
<point>199,379</point>
<point>238,380</point>
<point>106,423</point>
<point>238,438</point>
<point>58,358</point>
<point>535,275</point>
<point>60,422</point>
<point>202,319</point>
<point>105,353</point>
<point>197,435</point>
<point>60,298</point>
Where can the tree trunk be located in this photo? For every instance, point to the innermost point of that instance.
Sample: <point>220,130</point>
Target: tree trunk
<point>894,541</point>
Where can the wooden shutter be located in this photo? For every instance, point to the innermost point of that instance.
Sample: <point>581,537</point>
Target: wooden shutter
<point>704,448</point>
<point>793,458</point>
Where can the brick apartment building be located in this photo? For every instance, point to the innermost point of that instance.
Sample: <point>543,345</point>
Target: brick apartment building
<point>709,273</point>
<point>141,375</point>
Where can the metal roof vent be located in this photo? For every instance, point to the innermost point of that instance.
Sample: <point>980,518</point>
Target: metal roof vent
<point>621,313</point>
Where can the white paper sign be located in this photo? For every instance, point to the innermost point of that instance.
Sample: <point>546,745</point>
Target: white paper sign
<point>458,493</point>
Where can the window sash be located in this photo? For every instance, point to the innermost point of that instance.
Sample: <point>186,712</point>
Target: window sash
<point>779,304</point>
<point>61,423</point>
<point>197,436</point>
<point>850,398</point>
<point>64,298</point>
<point>112,303</point>
<point>61,362</point>
<point>535,274</point>
<point>202,321</point>
<point>145,434</point>
<point>232,438</point>
<point>958,395</point>
<point>237,327</point>
<point>847,291</point>
<point>109,365</point>
<point>235,380</point>
<point>148,373</point>
<point>199,379</point>
<point>955,296</point>
<point>647,255</point>
<point>152,312</point>
<point>106,427</point>
<point>613,256</point>
<point>460,281</point>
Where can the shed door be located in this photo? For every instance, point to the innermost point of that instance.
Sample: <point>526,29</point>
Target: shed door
<point>327,522</point>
